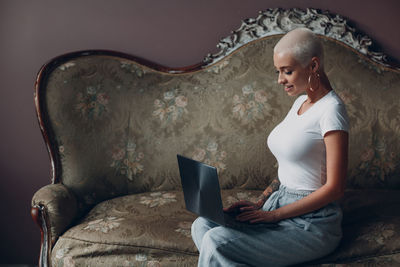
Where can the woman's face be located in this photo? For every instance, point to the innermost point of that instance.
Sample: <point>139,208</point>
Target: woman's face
<point>291,74</point>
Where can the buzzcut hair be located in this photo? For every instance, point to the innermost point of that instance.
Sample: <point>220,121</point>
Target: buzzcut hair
<point>303,45</point>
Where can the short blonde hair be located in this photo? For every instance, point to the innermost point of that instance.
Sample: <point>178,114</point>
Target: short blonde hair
<point>303,45</point>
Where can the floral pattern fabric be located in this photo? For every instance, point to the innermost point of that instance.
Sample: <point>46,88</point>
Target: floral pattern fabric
<point>92,102</point>
<point>103,225</point>
<point>153,229</point>
<point>157,199</point>
<point>171,108</point>
<point>127,160</point>
<point>251,106</point>
<point>156,220</point>
<point>221,115</point>
<point>210,155</point>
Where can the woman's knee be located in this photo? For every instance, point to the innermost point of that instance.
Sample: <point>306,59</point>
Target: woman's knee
<point>199,223</point>
<point>219,249</point>
<point>199,228</point>
<point>218,236</point>
<point>209,241</point>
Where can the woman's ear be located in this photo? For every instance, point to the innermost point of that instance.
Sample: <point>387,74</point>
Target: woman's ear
<point>315,64</point>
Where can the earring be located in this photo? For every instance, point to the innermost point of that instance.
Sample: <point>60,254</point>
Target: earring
<point>309,82</point>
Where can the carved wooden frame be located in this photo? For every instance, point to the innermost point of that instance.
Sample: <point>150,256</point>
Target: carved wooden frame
<point>279,21</point>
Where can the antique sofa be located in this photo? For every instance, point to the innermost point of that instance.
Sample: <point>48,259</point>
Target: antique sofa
<point>113,124</point>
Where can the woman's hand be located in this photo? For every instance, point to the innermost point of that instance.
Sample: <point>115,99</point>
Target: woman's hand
<point>242,206</point>
<point>257,216</point>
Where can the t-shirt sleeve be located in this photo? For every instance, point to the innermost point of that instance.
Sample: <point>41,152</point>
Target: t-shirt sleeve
<point>334,118</point>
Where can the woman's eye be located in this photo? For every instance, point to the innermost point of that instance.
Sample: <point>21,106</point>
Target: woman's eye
<point>286,72</point>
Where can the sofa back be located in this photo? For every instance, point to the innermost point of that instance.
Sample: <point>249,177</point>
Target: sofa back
<point>114,123</point>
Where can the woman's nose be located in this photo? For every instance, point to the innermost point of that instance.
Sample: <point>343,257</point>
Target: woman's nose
<point>281,79</point>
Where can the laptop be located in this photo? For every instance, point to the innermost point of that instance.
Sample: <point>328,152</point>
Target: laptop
<point>202,193</point>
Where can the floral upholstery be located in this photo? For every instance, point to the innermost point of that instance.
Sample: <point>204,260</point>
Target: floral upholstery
<point>115,127</point>
<point>152,227</point>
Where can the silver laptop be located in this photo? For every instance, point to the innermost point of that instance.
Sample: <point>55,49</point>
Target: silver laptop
<point>202,193</point>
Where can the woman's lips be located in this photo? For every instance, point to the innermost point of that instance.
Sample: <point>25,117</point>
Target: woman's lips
<point>287,88</point>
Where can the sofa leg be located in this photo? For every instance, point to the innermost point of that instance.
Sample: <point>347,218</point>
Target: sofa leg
<point>38,214</point>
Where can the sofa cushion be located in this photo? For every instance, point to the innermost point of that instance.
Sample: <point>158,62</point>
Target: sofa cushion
<point>371,227</point>
<point>154,226</point>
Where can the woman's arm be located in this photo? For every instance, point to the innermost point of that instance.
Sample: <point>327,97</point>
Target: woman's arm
<point>336,143</point>
<point>273,186</point>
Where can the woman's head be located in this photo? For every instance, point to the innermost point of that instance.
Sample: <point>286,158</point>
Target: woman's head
<point>302,44</point>
<point>297,57</point>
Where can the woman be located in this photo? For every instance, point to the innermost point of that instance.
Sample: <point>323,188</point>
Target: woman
<point>311,147</point>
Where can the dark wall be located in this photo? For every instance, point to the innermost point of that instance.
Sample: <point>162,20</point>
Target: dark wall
<point>171,32</point>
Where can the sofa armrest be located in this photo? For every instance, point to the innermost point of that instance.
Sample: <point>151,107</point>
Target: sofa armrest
<point>57,206</point>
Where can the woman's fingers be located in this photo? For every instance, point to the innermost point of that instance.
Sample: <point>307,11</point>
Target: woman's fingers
<point>238,205</point>
<point>247,208</point>
<point>257,220</point>
<point>248,215</point>
<point>232,207</point>
<point>256,216</point>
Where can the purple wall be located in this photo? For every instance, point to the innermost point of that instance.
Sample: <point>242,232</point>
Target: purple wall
<point>173,33</point>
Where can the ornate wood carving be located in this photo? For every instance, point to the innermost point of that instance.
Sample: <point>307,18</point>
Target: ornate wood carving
<point>279,21</point>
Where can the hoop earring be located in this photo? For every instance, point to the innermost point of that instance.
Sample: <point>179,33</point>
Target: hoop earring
<point>309,82</point>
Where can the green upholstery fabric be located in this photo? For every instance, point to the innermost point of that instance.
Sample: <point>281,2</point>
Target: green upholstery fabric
<point>116,126</point>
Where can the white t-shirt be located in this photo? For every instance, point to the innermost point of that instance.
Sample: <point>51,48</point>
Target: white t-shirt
<point>298,145</point>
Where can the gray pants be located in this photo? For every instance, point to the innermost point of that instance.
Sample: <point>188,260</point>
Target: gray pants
<point>295,240</point>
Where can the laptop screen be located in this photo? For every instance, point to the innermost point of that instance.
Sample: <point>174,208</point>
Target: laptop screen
<point>201,188</point>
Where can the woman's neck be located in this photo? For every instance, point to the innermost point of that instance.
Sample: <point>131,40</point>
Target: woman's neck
<point>323,88</point>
